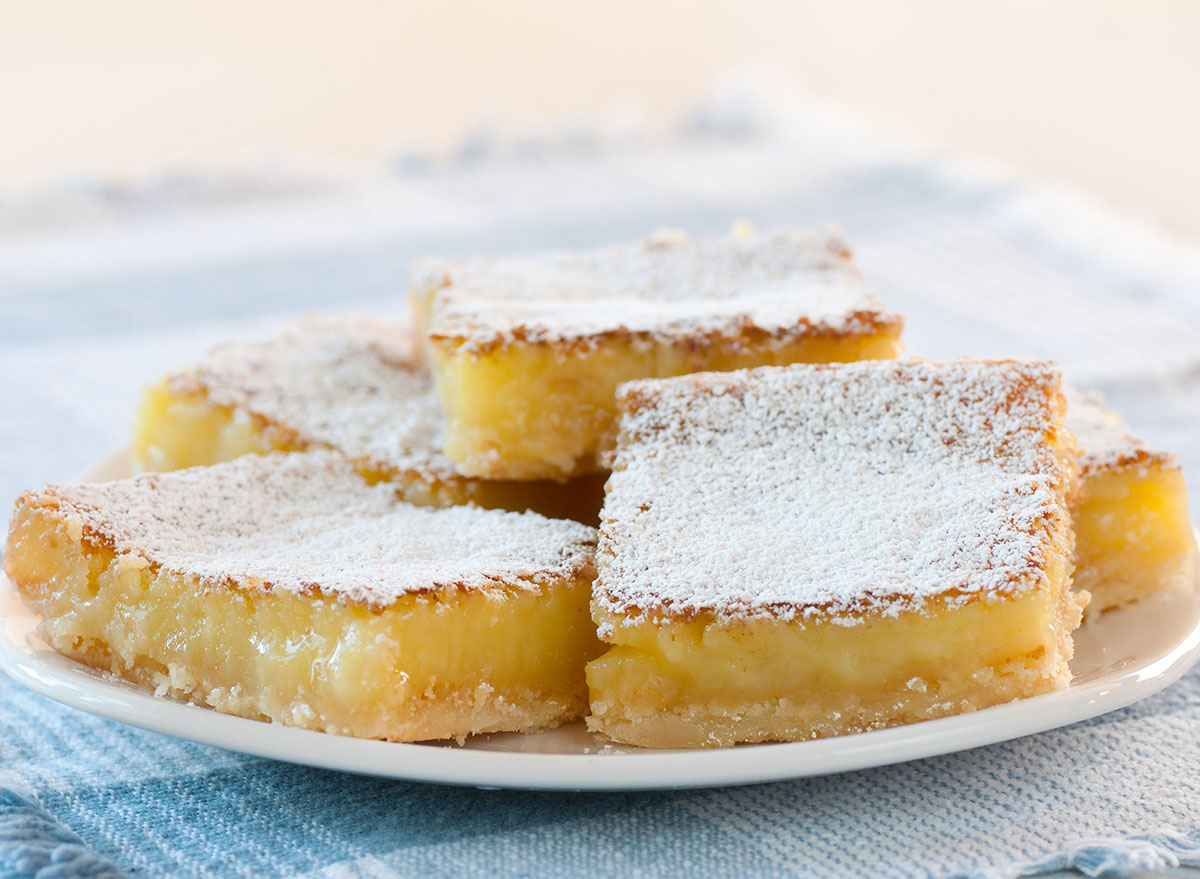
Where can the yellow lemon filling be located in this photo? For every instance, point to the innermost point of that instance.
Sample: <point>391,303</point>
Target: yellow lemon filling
<point>176,431</point>
<point>709,683</point>
<point>529,411</point>
<point>1133,535</point>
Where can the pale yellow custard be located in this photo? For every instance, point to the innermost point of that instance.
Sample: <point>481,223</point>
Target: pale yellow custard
<point>1133,534</point>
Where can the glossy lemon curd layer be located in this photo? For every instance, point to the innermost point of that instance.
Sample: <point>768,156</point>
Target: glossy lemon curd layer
<point>173,432</point>
<point>708,683</point>
<point>532,411</point>
<point>431,666</point>
<point>1133,534</point>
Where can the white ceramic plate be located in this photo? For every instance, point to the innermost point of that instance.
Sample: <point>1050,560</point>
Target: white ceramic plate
<point>1121,658</point>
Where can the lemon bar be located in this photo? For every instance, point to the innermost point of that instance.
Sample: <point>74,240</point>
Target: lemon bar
<point>1133,535</point>
<point>286,588</point>
<point>527,352</point>
<point>789,553</point>
<point>344,382</point>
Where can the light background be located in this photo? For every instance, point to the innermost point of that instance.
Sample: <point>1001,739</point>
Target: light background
<point>1100,94</point>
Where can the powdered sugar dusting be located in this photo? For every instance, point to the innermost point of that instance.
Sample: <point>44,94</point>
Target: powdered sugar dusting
<point>780,282</point>
<point>865,487</point>
<point>347,382</point>
<point>1104,438</point>
<point>306,522</point>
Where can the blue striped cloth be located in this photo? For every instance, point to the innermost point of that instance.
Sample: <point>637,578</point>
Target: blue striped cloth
<point>91,309</point>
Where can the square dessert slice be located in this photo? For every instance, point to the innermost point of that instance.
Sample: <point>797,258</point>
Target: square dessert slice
<point>1133,535</point>
<point>345,382</point>
<point>808,551</point>
<point>284,587</point>
<point>527,353</point>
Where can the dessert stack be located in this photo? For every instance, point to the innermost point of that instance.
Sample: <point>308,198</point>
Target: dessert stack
<point>685,488</point>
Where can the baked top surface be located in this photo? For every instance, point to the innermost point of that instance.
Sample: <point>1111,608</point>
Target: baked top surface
<point>348,382</point>
<point>1105,440</point>
<point>670,285</point>
<point>305,522</point>
<point>869,487</point>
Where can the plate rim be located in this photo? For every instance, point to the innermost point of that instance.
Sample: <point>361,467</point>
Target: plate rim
<point>73,684</point>
<point>77,686</point>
